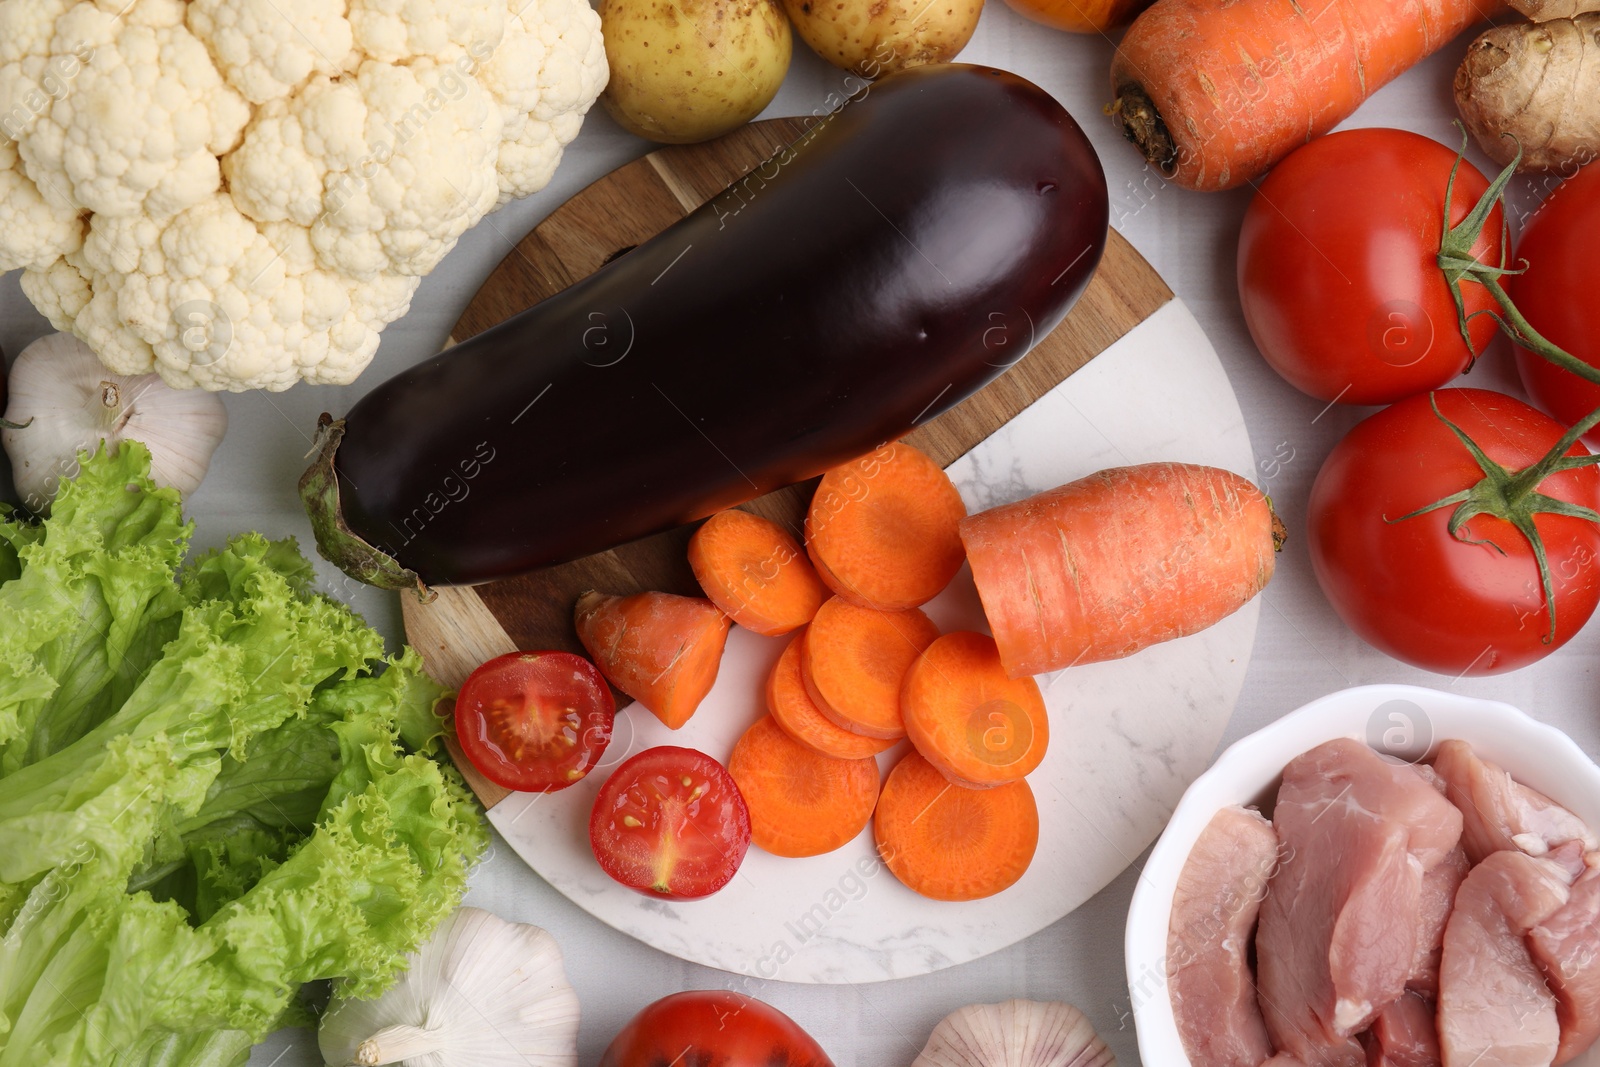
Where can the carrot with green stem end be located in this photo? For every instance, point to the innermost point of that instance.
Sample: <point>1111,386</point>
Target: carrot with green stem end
<point>660,649</point>
<point>752,569</point>
<point>801,803</point>
<point>1214,92</point>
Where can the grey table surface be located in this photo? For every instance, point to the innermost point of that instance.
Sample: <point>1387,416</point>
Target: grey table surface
<point>1302,650</point>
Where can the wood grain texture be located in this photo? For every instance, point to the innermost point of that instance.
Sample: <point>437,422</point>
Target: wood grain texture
<point>464,627</point>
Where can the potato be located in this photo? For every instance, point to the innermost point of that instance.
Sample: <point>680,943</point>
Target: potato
<point>877,37</point>
<point>691,70</point>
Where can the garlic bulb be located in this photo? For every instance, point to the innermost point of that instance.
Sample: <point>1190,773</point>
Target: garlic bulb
<point>64,401</point>
<point>1018,1033</point>
<point>481,992</point>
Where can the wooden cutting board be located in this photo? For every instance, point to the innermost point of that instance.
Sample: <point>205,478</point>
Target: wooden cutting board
<point>464,626</point>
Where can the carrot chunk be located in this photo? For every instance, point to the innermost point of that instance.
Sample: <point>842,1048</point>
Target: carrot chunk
<point>882,529</point>
<point>854,661</point>
<point>660,649</point>
<point>977,726</point>
<point>752,569</point>
<point>952,843</point>
<point>801,803</point>
<point>1110,564</point>
<point>794,710</point>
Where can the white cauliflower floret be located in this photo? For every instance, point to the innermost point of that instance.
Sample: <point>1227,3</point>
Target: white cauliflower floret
<point>442,30</point>
<point>270,48</point>
<point>547,71</point>
<point>242,194</point>
<point>141,127</point>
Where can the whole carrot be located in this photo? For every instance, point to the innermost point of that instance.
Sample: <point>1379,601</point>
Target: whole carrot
<point>1214,92</point>
<point>1110,564</point>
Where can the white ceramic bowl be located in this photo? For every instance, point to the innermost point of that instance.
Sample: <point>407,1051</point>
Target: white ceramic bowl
<point>1406,721</point>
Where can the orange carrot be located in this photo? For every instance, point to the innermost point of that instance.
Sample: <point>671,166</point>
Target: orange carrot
<point>752,569</point>
<point>977,726</point>
<point>854,661</point>
<point>660,649</point>
<point>794,710</point>
<point>951,843</point>
<point>1214,92</point>
<point>882,529</point>
<point>801,803</point>
<point>1112,563</point>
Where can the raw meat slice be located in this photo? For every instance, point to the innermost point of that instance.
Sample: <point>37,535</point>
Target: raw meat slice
<point>1338,929</point>
<point>1438,897</point>
<point>1566,947</point>
<point>1501,812</point>
<point>1494,1007</point>
<point>1404,1035</point>
<point>1208,943</point>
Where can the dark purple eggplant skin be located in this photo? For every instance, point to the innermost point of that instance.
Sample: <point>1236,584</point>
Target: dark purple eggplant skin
<point>895,259</point>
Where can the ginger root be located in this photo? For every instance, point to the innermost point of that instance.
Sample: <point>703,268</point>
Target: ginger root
<point>1545,10</point>
<point>1540,83</point>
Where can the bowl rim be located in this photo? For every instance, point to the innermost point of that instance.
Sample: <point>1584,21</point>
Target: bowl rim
<point>1335,715</point>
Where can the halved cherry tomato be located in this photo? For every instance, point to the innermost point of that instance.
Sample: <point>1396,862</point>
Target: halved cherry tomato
<point>713,1028</point>
<point>535,721</point>
<point>671,823</point>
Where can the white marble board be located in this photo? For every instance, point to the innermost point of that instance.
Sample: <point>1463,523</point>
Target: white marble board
<point>1126,737</point>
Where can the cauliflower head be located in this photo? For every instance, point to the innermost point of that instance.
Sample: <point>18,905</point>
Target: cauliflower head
<point>242,194</point>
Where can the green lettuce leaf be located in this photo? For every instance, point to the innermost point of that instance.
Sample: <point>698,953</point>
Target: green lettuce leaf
<point>210,788</point>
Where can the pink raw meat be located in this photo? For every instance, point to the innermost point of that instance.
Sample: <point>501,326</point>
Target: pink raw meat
<point>1438,897</point>
<point>1404,1035</point>
<point>1208,943</point>
<point>1338,929</point>
<point>1502,813</point>
<point>1494,1007</point>
<point>1566,947</point>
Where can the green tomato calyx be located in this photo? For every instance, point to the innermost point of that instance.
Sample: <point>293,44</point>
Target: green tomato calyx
<point>1514,497</point>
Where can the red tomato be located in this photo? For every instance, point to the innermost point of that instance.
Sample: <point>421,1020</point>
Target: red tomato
<point>1338,272</point>
<point>1557,296</point>
<point>671,823</point>
<point>535,721</point>
<point>713,1029</point>
<point>1409,587</point>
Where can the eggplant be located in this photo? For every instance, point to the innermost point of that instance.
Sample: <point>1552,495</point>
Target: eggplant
<point>850,295</point>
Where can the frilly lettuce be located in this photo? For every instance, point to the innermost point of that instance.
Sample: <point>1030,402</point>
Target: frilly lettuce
<point>213,788</point>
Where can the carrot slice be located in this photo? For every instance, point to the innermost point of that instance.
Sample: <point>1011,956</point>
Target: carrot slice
<point>752,569</point>
<point>977,726</point>
<point>794,710</point>
<point>854,661</point>
<point>801,803</point>
<point>882,529</point>
<point>660,649</point>
<point>951,843</point>
<point>1110,564</point>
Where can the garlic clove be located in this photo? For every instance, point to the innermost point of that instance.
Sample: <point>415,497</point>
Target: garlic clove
<point>1017,1033</point>
<point>70,403</point>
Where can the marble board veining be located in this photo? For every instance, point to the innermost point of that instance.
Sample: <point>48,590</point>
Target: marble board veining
<point>1127,737</point>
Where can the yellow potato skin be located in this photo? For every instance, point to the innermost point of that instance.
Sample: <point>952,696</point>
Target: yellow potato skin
<point>690,70</point>
<point>877,37</point>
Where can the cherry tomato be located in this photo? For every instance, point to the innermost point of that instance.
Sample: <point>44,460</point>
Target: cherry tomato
<point>716,1028</point>
<point>1406,585</point>
<point>1556,295</point>
<point>1338,269</point>
<point>670,822</point>
<point>535,721</point>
